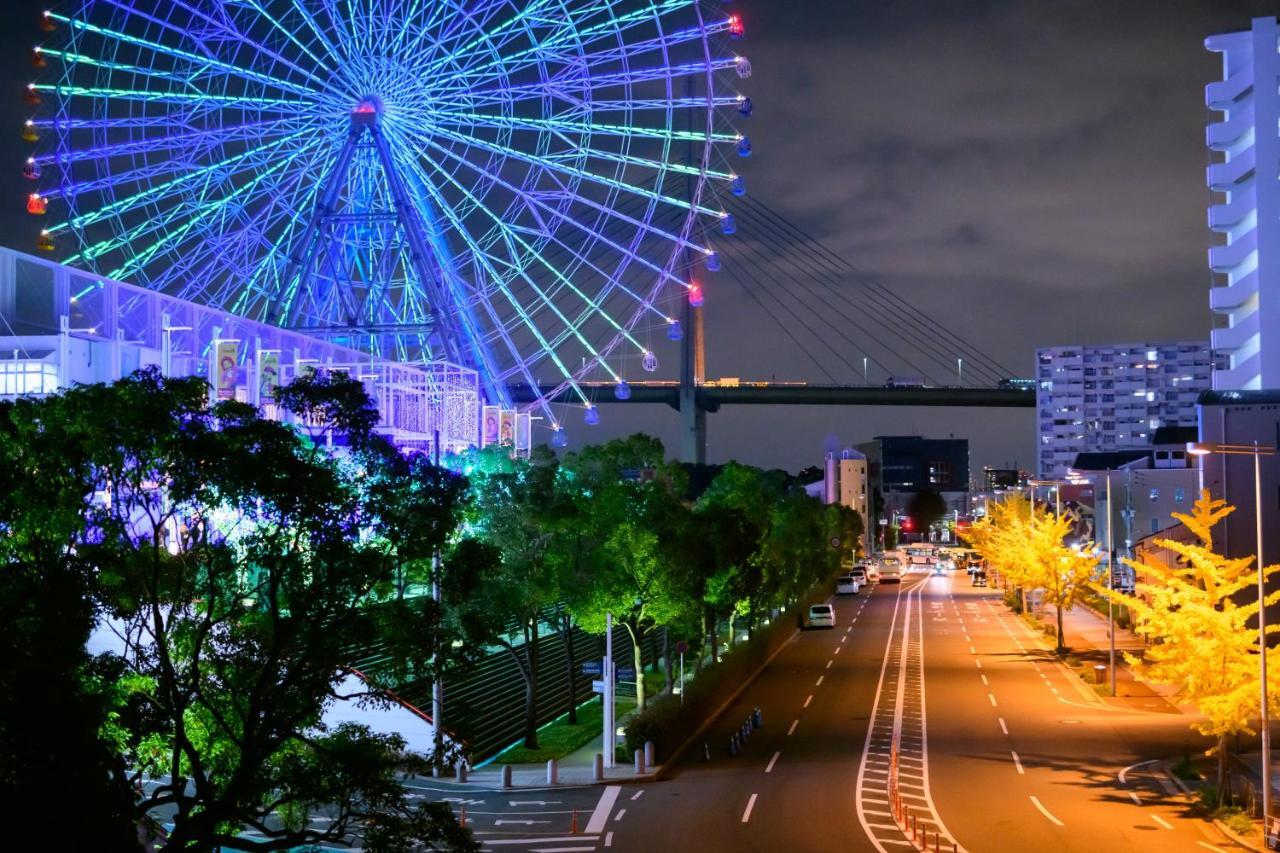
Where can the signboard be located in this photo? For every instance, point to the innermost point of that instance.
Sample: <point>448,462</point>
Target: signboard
<point>835,543</point>
<point>626,688</point>
<point>268,375</point>
<point>226,368</point>
<point>524,432</point>
<point>597,686</point>
<point>593,667</point>
<point>628,673</point>
<point>489,426</point>
<point>682,647</point>
<point>1273,833</point>
<point>507,428</point>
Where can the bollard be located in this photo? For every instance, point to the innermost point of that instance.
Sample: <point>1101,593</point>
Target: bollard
<point>706,751</point>
<point>462,818</point>
<point>937,837</point>
<point>573,823</point>
<point>648,753</point>
<point>506,775</point>
<point>597,768</point>
<point>551,771</point>
<point>758,719</point>
<point>639,755</point>
<point>733,745</point>
<point>461,771</point>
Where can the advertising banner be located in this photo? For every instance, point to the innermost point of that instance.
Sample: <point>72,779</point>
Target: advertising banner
<point>226,369</point>
<point>489,426</point>
<point>524,433</point>
<point>268,375</point>
<point>507,428</point>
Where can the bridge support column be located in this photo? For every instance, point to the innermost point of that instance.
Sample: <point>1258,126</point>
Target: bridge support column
<point>693,418</point>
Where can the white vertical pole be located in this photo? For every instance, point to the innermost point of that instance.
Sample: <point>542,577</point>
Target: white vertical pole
<point>1111,583</point>
<point>437,683</point>
<point>682,678</point>
<point>1262,646</point>
<point>607,744</point>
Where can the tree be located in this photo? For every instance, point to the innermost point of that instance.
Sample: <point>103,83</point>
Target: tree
<point>1062,572</point>
<point>926,509</point>
<point>238,560</point>
<point>1001,538</point>
<point>1197,613</point>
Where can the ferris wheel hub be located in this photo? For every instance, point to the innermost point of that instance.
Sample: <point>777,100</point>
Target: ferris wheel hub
<point>367,110</point>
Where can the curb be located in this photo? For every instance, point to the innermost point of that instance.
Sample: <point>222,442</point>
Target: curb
<point>1238,840</point>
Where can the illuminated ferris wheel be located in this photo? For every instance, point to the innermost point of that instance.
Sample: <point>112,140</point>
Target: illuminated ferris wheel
<point>524,187</point>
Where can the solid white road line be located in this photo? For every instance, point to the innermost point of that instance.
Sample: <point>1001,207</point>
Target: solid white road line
<point>600,816</point>
<point>1005,728</point>
<point>795,723</point>
<point>751,804</point>
<point>1036,802</point>
<point>774,760</point>
<point>992,697</point>
<point>1125,772</point>
<point>1206,845</point>
<point>637,794</point>
<point>1045,811</point>
<point>544,840</point>
<point>810,699</point>
<point>1164,822</point>
<point>621,812</point>
<point>1018,764</point>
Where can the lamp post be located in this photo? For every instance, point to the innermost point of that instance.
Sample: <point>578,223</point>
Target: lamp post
<point>1257,451</point>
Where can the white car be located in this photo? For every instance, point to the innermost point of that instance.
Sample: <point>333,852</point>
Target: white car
<point>848,585</point>
<point>822,616</point>
<point>890,570</point>
<point>859,573</point>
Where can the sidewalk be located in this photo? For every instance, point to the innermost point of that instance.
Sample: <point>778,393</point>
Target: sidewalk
<point>1086,634</point>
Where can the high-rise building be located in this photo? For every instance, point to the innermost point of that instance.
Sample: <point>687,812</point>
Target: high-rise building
<point>1105,398</point>
<point>1244,147</point>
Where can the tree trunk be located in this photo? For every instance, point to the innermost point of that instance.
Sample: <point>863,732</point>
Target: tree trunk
<point>715,640</point>
<point>531,686</point>
<point>1224,776</point>
<point>637,659</point>
<point>1062,644</point>
<point>565,625</point>
<point>666,658</point>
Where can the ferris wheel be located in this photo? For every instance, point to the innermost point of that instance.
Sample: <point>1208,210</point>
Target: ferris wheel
<point>525,187</point>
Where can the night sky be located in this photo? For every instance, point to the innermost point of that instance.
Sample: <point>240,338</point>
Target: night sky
<point>1031,171</point>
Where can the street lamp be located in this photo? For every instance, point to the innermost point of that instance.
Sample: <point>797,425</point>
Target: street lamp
<point>1257,451</point>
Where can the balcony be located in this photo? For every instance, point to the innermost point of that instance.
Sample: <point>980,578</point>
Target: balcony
<point>1233,296</point>
<point>1225,176</point>
<point>1226,258</point>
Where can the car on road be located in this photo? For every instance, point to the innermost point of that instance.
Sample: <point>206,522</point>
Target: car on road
<point>979,578</point>
<point>822,616</point>
<point>943,566</point>
<point>847,585</point>
<point>921,554</point>
<point>890,570</point>
<point>873,573</point>
<point>859,574</point>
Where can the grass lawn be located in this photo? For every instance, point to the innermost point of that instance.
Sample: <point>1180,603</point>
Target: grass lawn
<point>557,739</point>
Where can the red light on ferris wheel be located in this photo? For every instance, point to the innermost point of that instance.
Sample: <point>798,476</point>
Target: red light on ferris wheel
<point>695,296</point>
<point>736,29</point>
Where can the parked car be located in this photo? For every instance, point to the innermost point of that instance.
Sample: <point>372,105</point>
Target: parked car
<point>846,585</point>
<point>822,616</point>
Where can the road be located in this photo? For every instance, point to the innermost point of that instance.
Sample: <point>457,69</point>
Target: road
<point>999,748</point>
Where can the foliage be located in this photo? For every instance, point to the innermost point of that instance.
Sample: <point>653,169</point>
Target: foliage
<point>926,509</point>
<point>1197,612</point>
<point>240,563</point>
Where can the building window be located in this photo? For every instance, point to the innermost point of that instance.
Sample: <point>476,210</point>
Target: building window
<point>1179,495</point>
<point>1155,528</point>
<point>1155,495</point>
<point>939,472</point>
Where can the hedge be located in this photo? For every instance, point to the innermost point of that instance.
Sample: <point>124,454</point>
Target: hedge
<point>668,723</point>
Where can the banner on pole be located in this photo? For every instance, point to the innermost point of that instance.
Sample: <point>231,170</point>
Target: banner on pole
<point>268,375</point>
<point>489,426</point>
<point>226,369</point>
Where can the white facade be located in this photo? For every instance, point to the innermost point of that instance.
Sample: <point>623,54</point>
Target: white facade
<point>1244,176</point>
<point>853,487</point>
<point>1102,398</point>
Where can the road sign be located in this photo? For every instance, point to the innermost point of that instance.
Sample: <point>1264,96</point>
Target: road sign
<point>628,673</point>
<point>835,543</point>
<point>596,667</point>
<point>682,647</point>
<point>597,686</point>
<point>626,688</point>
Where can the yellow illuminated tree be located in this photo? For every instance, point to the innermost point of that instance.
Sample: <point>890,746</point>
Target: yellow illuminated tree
<point>1197,613</point>
<point>1001,538</point>
<point>1060,570</point>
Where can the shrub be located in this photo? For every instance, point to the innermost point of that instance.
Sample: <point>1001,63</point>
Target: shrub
<point>1238,822</point>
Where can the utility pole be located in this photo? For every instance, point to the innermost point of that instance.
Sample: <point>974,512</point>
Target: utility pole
<point>606,672</point>
<point>693,419</point>
<point>437,683</point>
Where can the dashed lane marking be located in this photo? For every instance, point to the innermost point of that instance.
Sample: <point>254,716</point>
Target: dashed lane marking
<point>608,836</point>
<point>820,677</point>
<point>637,794</point>
<point>774,760</point>
<point>810,699</point>
<point>751,804</point>
<point>1039,805</point>
<point>1164,822</point>
<point>795,723</point>
<point>622,812</point>
<point>1005,728</point>
<point>1018,764</point>
<point>992,697</point>
<point>986,683</point>
<point>1138,800</point>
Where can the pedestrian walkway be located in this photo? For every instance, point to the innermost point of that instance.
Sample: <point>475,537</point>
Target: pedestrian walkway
<point>1087,635</point>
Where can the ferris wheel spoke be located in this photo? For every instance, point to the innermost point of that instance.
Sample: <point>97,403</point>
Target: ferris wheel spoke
<point>193,97</point>
<point>446,43</point>
<point>241,37</point>
<point>162,189</point>
<point>201,61</point>
<point>292,37</point>
<point>570,32</point>
<point>549,303</point>
<point>573,87</point>
<point>167,143</point>
<point>501,122</point>
<point>544,208</point>
<point>336,54</point>
<point>567,169</point>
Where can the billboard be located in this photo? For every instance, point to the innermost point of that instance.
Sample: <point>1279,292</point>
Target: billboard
<point>226,369</point>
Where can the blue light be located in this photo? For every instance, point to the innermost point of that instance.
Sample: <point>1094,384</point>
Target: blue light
<point>713,262</point>
<point>744,147</point>
<point>728,225</point>
<point>738,186</point>
<point>622,391</point>
<point>674,332</point>
<point>559,439</point>
<point>592,416</point>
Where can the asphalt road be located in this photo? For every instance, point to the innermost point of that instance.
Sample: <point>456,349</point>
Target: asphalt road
<point>972,686</point>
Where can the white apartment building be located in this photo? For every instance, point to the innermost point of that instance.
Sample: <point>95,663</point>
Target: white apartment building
<point>1104,398</point>
<point>1244,177</point>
